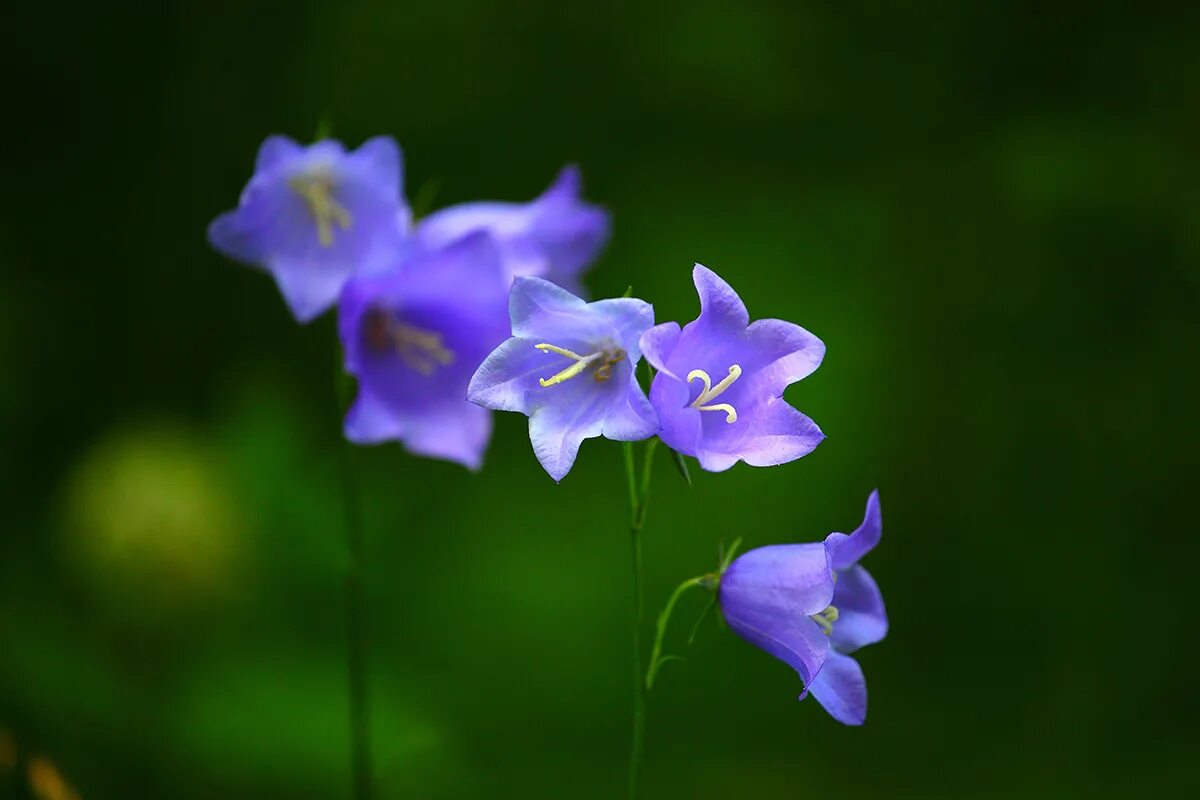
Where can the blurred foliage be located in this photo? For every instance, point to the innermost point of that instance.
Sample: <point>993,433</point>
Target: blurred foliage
<point>988,212</point>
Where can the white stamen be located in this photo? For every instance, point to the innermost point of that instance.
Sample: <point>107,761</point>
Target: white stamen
<point>711,392</point>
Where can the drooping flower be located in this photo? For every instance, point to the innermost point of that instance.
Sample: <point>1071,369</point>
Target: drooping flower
<point>719,387</point>
<point>811,605</point>
<point>858,619</point>
<point>570,366</point>
<point>413,336</point>
<point>313,216</point>
<point>555,236</point>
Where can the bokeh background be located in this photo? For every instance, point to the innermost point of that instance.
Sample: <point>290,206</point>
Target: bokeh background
<point>988,211</point>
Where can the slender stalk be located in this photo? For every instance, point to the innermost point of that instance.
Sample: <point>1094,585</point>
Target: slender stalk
<point>356,631</point>
<point>656,656</point>
<point>639,494</point>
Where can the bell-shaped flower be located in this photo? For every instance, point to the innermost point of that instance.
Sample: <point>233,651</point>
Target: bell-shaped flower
<point>719,387</point>
<point>810,605</point>
<point>555,236</point>
<point>570,366</point>
<point>858,619</point>
<point>313,216</point>
<point>413,336</point>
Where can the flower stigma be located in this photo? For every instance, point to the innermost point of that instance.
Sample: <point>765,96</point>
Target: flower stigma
<point>316,188</point>
<point>419,349</point>
<point>826,619</point>
<point>607,359</point>
<point>702,401</point>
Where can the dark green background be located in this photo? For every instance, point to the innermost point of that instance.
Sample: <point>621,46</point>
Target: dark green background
<point>988,211</point>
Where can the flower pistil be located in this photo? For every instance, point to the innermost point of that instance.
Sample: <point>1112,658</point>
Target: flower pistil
<point>317,190</point>
<point>421,350</point>
<point>702,401</point>
<point>606,357</point>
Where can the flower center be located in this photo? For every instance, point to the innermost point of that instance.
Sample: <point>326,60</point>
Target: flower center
<point>606,359</point>
<point>317,190</point>
<point>703,401</point>
<point>419,349</point>
<point>826,619</point>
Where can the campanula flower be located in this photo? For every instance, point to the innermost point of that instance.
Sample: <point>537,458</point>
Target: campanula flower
<point>810,605</point>
<point>313,216</point>
<point>858,619</point>
<point>413,336</point>
<point>719,387</point>
<point>570,366</point>
<point>556,236</point>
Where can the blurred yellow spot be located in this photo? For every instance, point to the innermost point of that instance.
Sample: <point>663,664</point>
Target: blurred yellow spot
<point>151,523</point>
<point>46,782</point>
<point>8,751</point>
<point>317,190</point>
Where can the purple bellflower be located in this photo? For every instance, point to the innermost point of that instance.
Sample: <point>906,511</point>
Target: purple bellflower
<point>719,387</point>
<point>313,216</point>
<point>570,366</point>
<point>413,336</point>
<point>858,619</point>
<point>556,236</point>
<point>810,605</point>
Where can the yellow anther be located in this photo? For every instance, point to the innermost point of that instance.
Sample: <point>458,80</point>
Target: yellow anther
<point>701,403</point>
<point>826,619</point>
<point>317,190</point>
<point>581,363</point>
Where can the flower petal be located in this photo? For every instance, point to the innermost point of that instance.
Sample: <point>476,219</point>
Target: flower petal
<point>370,422</point>
<point>379,160</point>
<point>630,317</point>
<point>775,433</point>
<point>767,596</point>
<point>274,151</point>
<point>537,307</point>
<point>719,303</point>
<point>457,432</point>
<point>658,343</point>
<point>787,352</point>
<point>309,289</point>
<point>505,379</point>
<point>633,418</point>
<point>680,427</point>
<point>862,618</point>
<point>841,689</point>
<point>557,428</point>
<point>844,550</point>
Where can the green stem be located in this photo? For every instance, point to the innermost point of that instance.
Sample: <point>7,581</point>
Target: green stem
<point>356,629</point>
<point>656,656</point>
<point>639,494</point>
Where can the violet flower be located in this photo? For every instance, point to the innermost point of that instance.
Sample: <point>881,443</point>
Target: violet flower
<point>413,336</point>
<point>570,366</point>
<point>719,387</point>
<point>811,605</point>
<point>313,216</point>
<point>859,619</point>
<point>555,236</point>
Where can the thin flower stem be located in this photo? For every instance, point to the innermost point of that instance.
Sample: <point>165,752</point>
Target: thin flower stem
<point>639,493</point>
<point>356,608</point>
<point>356,629</point>
<point>656,656</point>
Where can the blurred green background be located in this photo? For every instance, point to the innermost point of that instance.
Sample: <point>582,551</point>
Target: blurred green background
<point>988,211</point>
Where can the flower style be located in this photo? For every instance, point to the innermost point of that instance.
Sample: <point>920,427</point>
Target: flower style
<point>570,366</point>
<point>555,236</point>
<point>313,216</point>
<point>413,336</point>
<point>719,387</point>
<point>810,605</point>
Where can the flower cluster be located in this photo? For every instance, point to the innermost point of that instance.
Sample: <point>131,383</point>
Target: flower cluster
<point>477,308</point>
<point>420,304</point>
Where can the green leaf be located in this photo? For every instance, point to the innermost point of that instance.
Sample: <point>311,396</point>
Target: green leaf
<point>681,466</point>
<point>628,292</point>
